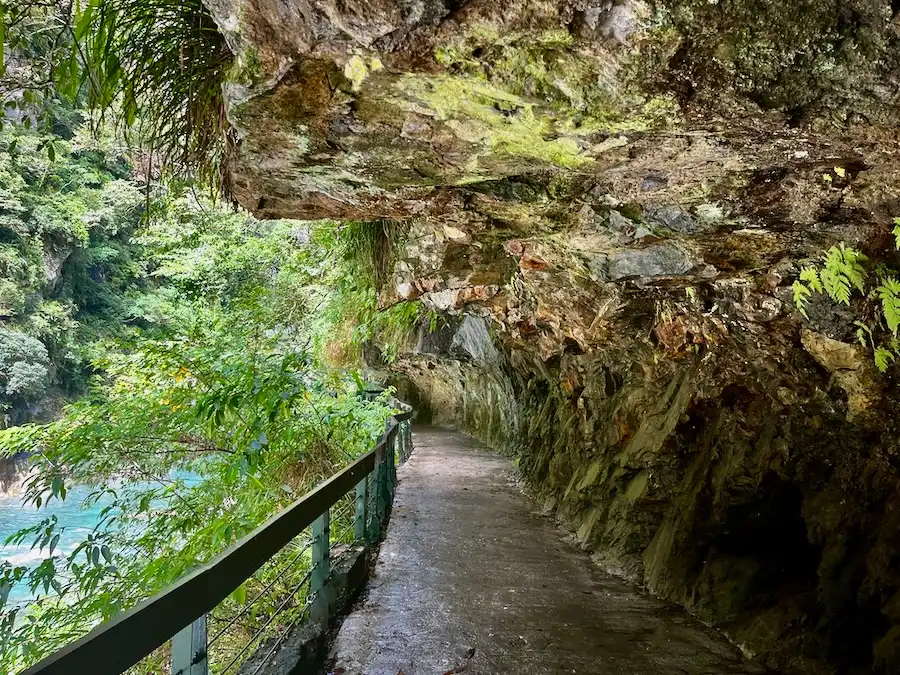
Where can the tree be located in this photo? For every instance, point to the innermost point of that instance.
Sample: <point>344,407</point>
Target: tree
<point>24,365</point>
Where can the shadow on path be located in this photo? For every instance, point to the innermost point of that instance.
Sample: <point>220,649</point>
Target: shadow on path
<point>472,579</point>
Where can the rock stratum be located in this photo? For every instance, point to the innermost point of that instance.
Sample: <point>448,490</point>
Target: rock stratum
<point>607,204</point>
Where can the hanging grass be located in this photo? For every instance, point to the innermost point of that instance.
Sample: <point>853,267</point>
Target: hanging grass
<point>368,245</point>
<point>157,67</point>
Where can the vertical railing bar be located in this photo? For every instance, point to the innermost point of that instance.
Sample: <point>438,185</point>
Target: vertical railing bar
<point>321,561</point>
<point>359,521</point>
<point>189,649</point>
<point>401,439</point>
<point>373,528</point>
<point>381,486</point>
<point>407,439</point>
<point>392,466</point>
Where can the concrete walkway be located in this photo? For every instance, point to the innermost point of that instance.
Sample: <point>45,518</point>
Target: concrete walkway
<point>472,579</point>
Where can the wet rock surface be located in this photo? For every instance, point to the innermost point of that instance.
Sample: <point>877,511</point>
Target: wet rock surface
<point>471,578</point>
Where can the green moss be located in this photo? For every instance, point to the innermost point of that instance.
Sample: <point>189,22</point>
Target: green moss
<point>246,69</point>
<point>252,63</point>
<point>783,54</point>
<point>356,71</point>
<point>549,66</point>
<point>489,116</point>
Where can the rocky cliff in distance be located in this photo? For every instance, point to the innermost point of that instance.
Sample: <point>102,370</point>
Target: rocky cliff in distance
<point>608,202</point>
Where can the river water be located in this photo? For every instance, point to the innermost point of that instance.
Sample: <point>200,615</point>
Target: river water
<point>14,515</point>
<point>77,522</point>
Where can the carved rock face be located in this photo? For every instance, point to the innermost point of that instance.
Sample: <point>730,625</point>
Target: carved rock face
<point>351,108</point>
<point>623,194</point>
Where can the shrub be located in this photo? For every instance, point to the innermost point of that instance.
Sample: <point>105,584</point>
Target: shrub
<point>12,299</point>
<point>24,365</point>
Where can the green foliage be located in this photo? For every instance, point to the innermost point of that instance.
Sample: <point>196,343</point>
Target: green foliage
<point>367,246</point>
<point>65,255</point>
<point>883,358</point>
<point>889,294</point>
<point>350,316</point>
<point>199,256</point>
<point>190,442</point>
<point>12,299</point>
<point>841,272</point>
<point>390,328</point>
<point>203,421</point>
<point>33,39</point>
<point>160,66</point>
<point>23,365</point>
<point>153,66</point>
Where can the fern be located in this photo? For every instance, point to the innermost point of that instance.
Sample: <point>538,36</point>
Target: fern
<point>864,334</point>
<point>889,292</point>
<point>842,272</point>
<point>801,295</point>
<point>811,276</point>
<point>883,358</point>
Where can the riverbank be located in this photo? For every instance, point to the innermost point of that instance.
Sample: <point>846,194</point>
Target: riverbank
<point>14,472</point>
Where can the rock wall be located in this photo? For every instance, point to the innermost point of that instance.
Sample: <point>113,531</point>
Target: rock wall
<point>13,474</point>
<point>608,203</point>
<point>753,480</point>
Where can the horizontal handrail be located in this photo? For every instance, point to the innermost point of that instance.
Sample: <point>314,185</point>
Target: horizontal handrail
<point>117,644</point>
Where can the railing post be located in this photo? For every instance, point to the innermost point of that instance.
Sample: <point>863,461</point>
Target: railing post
<point>321,548</point>
<point>381,475</point>
<point>407,440</point>
<point>372,513</point>
<point>404,441</point>
<point>409,445</point>
<point>189,649</point>
<point>359,520</point>
<point>391,468</point>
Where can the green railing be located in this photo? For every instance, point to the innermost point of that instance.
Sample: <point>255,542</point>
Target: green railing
<point>179,613</point>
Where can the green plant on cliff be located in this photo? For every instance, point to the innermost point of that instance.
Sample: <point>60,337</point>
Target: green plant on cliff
<point>350,316</point>
<point>840,272</point>
<point>840,275</point>
<point>366,246</point>
<point>156,67</point>
<point>24,365</point>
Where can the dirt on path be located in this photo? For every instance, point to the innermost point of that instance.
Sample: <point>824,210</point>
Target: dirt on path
<point>471,578</point>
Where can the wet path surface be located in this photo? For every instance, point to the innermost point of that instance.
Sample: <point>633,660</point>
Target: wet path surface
<point>472,579</point>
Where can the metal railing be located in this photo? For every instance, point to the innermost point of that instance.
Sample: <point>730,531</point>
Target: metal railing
<point>179,613</point>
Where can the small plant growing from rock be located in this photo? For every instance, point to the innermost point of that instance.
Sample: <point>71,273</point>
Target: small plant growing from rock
<point>843,272</point>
